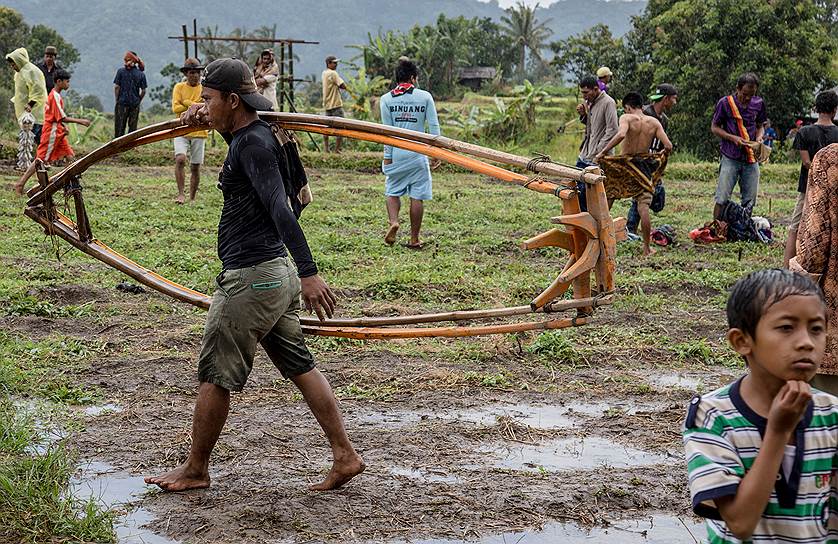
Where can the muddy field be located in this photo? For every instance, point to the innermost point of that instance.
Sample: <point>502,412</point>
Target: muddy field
<point>560,437</point>
<point>449,459</point>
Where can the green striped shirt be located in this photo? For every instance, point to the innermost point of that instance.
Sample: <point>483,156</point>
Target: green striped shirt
<point>722,437</point>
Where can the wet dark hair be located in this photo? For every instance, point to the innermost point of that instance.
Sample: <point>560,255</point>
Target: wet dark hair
<point>633,99</point>
<point>589,82</point>
<point>405,70</point>
<point>748,78</point>
<point>62,75</point>
<point>826,102</point>
<point>754,294</point>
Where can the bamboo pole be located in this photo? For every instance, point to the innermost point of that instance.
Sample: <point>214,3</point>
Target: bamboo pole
<point>443,154</point>
<point>549,168</point>
<point>372,333</point>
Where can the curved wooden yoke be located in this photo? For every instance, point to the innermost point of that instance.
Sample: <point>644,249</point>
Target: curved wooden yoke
<point>589,236</point>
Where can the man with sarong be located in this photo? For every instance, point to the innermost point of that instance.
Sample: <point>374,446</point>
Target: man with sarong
<point>635,172</point>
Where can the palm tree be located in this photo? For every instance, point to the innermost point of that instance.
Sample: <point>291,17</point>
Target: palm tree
<point>526,31</point>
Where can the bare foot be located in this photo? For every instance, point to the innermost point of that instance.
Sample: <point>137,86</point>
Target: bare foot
<point>390,238</point>
<point>342,471</point>
<point>179,199</point>
<point>649,251</point>
<point>415,245</point>
<point>180,479</point>
<point>19,189</point>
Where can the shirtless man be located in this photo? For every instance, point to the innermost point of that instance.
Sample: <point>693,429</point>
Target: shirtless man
<point>636,132</point>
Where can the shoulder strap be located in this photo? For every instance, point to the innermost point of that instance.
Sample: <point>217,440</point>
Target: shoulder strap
<point>740,125</point>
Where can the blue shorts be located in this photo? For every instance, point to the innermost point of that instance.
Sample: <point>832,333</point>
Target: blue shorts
<point>409,177</point>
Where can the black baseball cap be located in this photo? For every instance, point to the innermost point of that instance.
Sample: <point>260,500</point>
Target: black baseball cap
<point>662,90</point>
<point>234,76</point>
<point>332,58</point>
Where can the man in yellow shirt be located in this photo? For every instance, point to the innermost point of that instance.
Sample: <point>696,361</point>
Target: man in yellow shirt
<point>191,146</point>
<point>332,101</point>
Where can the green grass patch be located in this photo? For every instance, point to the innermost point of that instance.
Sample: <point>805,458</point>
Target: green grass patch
<point>34,503</point>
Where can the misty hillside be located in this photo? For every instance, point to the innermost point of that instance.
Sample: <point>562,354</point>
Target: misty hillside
<point>103,30</point>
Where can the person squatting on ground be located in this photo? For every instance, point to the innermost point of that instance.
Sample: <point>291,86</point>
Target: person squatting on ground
<point>598,113</point>
<point>48,67</point>
<point>266,72</point>
<point>54,144</point>
<point>808,141</point>
<point>817,251</point>
<point>30,89</point>
<point>761,452</point>
<point>407,173</point>
<point>739,122</point>
<point>663,100</point>
<point>129,87</point>
<point>332,101</point>
<point>190,147</point>
<point>257,299</point>
<point>637,132</point>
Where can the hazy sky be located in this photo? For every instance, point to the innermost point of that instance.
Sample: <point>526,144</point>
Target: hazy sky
<point>506,3</point>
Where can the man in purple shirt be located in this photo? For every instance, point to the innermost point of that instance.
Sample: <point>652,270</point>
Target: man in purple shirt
<point>737,133</point>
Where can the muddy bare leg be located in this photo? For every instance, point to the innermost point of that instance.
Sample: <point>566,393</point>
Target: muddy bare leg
<point>394,204</point>
<point>194,180</point>
<point>180,164</point>
<point>321,400</point>
<point>417,211</point>
<point>211,410</point>
<point>325,143</point>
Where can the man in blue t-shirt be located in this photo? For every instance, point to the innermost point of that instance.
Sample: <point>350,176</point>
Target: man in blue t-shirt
<point>407,172</point>
<point>129,87</point>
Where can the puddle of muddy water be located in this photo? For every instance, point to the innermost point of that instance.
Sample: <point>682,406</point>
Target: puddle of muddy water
<point>113,489</point>
<point>657,529</point>
<point>426,475</point>
<point>537,416</point>
<point>569,454</point>
<point>99,409</point>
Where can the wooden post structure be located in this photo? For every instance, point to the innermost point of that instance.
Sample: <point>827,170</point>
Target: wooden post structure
<point>185,42</point>
<point>291,72</point>
<point>281,79</point>
<point>195,33</point>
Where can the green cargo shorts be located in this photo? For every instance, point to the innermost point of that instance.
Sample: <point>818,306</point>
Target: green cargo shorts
<point>255,305</point>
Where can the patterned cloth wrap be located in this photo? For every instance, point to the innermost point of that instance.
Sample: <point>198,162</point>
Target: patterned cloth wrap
<point>25,141</point>
<point>627,176</point>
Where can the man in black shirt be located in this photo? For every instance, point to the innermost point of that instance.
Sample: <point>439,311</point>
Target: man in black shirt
<point>663,100</point>
<point>808,141</point>
<point>48,66</point>
<point>257,299</point>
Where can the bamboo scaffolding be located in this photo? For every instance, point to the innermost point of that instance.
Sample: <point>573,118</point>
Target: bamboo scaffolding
<point>589,237</point>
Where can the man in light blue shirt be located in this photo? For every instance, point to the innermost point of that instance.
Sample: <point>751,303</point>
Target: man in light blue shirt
<point>407,172</point>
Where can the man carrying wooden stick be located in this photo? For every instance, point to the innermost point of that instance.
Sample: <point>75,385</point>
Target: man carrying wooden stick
<point>641,168</point>
<point>257,299</point>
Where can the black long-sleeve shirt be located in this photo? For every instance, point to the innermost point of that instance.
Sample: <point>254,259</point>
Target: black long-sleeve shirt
<point>257,223</point>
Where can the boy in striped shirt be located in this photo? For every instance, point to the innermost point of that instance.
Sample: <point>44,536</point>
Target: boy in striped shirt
<point>761,452</point>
